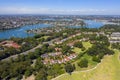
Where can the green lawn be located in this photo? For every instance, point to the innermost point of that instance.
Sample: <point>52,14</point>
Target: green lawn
<point>45,37</point>
<point>108,69</point>
<point>77,50</point>
<point>90,62</point>
<point>85,44</point>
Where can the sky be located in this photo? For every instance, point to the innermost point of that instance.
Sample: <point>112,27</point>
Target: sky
<point>77,7</point>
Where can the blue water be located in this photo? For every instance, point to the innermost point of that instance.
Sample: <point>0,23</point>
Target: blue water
<point>48,19</point>
<point>21,32</point>
<point>91,24</point>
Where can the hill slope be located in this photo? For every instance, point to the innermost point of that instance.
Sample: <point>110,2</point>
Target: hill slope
<point>108,69</point>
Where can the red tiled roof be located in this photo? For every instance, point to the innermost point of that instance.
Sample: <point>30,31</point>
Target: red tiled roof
<point>10,44</point>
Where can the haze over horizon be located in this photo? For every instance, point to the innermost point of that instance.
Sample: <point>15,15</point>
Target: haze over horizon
<point>76,7</point>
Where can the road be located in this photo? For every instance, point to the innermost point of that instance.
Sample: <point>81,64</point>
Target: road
<point>39,46</point>
<point>26,52</point>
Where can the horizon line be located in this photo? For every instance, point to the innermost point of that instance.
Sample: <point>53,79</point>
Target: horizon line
<point>69,14</point>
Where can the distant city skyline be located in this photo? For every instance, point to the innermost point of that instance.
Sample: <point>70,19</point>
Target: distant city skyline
<point>74,7</point>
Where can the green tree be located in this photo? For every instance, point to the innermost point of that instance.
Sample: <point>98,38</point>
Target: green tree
<point>39,64</point>
<point>55,70</point>
<point>65,49</point>
<point>96,59</point>
<point>78,44</point>
<point>41,75</point>
<point>28,72</point>
<point>69,68</point>
<point>83,63</point>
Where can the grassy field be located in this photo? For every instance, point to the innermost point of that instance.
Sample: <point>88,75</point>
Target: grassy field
<point>85,44</point>
<point>77,50</point>
<point>90,62</point>
<point>45,37</point>
<point>108,69</point>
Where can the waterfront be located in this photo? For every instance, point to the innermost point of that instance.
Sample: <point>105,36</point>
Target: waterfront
<point>21,32</point>
<point>91,24</point>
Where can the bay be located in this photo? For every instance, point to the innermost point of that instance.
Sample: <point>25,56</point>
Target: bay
<point>21,31</point>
